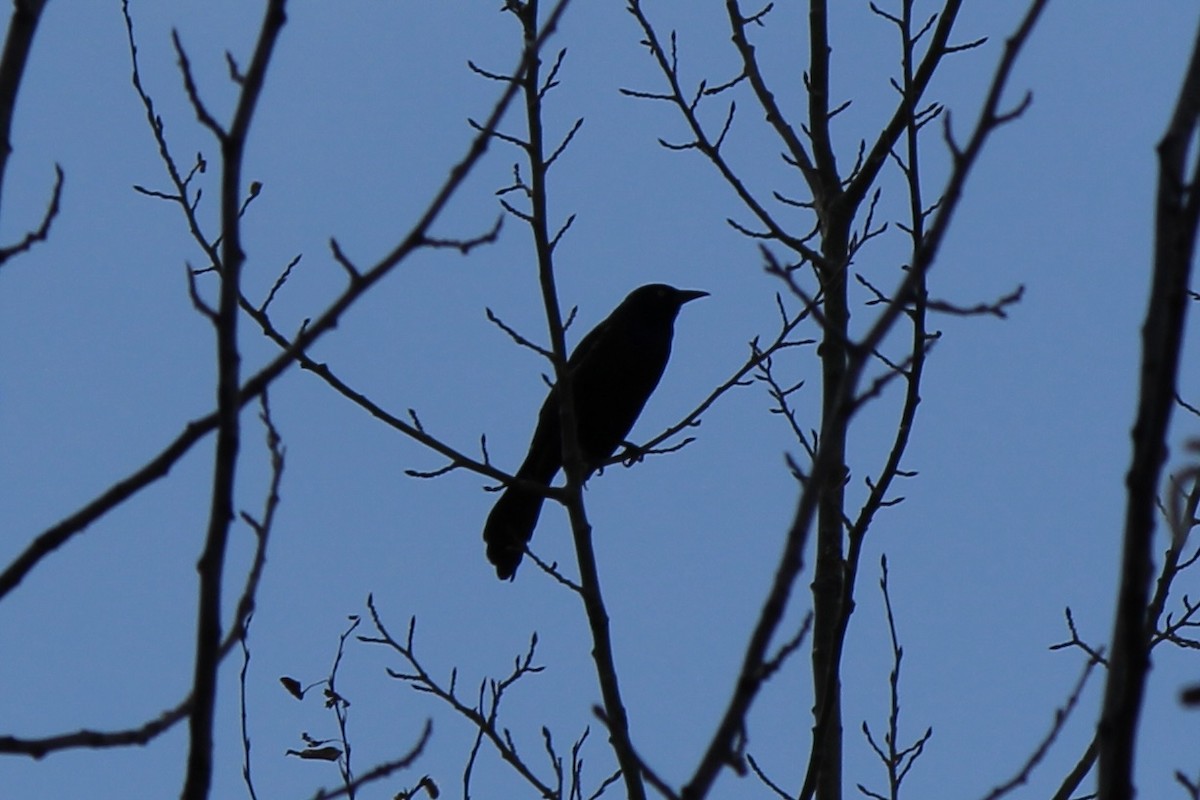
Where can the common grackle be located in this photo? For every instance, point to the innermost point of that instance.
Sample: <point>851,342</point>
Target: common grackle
<point>613,371</point>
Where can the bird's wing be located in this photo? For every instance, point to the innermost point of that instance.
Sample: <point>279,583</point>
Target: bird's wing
<point>587,345</point>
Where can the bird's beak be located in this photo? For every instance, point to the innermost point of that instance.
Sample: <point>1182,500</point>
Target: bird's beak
<point>687,295</point>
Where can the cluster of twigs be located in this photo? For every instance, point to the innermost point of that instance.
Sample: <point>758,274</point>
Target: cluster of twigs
<point>224,258</point>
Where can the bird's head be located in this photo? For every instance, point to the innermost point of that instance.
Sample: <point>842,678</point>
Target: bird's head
<point>660,299</point>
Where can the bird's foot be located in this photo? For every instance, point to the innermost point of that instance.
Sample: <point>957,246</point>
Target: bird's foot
<point>632,454</point>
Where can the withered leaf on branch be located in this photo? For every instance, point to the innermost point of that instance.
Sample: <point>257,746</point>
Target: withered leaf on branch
<point>329,753</point>
<point>293,687</point>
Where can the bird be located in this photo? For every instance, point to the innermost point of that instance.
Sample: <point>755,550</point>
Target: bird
<point>613,371</point>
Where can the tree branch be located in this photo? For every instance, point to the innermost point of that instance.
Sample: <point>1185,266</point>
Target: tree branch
<point>1177,213</point>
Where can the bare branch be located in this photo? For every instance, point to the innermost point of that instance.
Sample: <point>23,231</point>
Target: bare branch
<point>566,141</point>
<point>484,713</point>
<point>189,84</point>
<point>1094,654</point>
<point>382,770</point>
<point>1177,216</point>
<point>22,26</point>
<point>1061,715</point>
<point>40,233</point>
<point>996,308</point>
<point>465,246</point>
<point>279,282</point>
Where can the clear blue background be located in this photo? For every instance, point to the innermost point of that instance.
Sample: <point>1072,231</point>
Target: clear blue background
<point>1021,440</point>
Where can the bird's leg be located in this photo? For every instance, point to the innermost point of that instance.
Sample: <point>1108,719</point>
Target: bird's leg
<point>632,454</point>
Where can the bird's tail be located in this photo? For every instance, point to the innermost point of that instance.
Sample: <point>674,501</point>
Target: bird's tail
<point>510,527</point>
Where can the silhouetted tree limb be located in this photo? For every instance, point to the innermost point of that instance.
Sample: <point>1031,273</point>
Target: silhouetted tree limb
<point>22,26</point>
<point>1176,215</point>
<point>40,233</point>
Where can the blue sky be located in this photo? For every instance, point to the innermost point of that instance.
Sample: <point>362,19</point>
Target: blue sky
<point>1021,441</point>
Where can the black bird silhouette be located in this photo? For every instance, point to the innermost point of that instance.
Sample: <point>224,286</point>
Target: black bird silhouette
<point>613,371</point>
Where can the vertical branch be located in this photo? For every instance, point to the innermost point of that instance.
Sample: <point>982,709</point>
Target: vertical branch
<point>897,760</point>
<point>914,302</point>
<point>829,587</point>
<point>21,28</point>
<point>616,717</point>
<point>1177,212</point>
<point>246,776</point>
<point>212,561</point>
<point>818,92</point>
<point>893,757</point>
<point>245,607</point>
